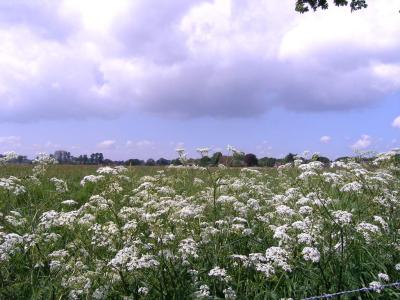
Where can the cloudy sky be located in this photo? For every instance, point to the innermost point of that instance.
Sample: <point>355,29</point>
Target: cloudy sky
<point>137,78</point>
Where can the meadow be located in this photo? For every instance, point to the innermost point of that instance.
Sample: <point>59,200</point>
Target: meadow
<point>189,232</point>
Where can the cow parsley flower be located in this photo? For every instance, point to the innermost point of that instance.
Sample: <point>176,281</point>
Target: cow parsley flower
<point>352,187</point>
<point>143,290</point>
<point>61,185</point>
<point>107,170</point>
<point>305,238</point>
<point>229,293</point>
<point>366,229</point>
<point>91,178</point>
<point>383,277</point>
<point>69,202</point>
<point>203,151</point>
<point>266,268</point>
<point>311,254</point>
<point>381,222</point>
<point>9,245</point>
<point>342,217</point>
<point>100,293</point>
<point>188,248</point>
<point>284,210</point>
<point>8,156</point>
<point>305,210</point>
<point>219,273</point>
<point>278,257</point>
<point>203,292</point>
<point>376,286</point>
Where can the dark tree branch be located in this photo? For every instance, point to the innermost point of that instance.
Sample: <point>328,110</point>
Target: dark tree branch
<point>303,6</point>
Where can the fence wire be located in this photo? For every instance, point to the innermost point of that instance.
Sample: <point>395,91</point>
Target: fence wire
<point>361,290</point>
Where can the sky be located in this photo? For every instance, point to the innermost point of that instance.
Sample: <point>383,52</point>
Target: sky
<point>139,78</point>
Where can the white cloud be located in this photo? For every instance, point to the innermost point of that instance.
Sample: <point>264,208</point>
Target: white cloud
<point>396,122</point>
<point>192,58</point>
<point>326,139</point>
<point>13,141</point>
<point>46,147</point>
<point>364,142</point>
<point>141,143</point>
<point>95,15</point>
<point>144,143</point>
<point>107,144</point>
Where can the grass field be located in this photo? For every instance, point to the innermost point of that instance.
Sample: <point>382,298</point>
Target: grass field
<point>198,233</point>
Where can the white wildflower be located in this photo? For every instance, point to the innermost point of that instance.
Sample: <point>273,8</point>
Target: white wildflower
<point>229,293</point>
<point>219,273</point>
<point>311,254</point>
<point>342,217</point>
<point>383,277</point>
<point>143,290</point>
<point>352,187</point>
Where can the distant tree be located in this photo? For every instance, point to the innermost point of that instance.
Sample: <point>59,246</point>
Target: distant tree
<point>176,162</point>
<point>150,162</point>
<point>96,158</point>
<point>134,162</point>
<point>250,160</point>
<point>303,6</point>
<point>267,162</point>
<point>343,158</point>
<point>289,158</point>
<point>21,159</point>
<point>205,161</point>
<point>85,159</point>
<point>215,159</point>
<point>322,159</point>
<point>163,162</point>
<point>237,160</point>
<point>108,162</point>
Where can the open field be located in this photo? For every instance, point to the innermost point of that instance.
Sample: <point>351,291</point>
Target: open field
<point>197,233</point>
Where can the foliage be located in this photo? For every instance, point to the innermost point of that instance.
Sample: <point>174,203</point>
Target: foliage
<point>134,162</point>
<point>267,162</point>
<point>189,232</point>
<point>250,160</point>
<point>205,161</point>
<point>322,159</point>
<point>303,6</point>
<point>163,162</point>
<point>150,162</point>
<point>289,158</point>
<point>215,158</point>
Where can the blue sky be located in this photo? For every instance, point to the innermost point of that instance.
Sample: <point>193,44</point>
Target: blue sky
<point>136,79</point>
<point>273,134</point>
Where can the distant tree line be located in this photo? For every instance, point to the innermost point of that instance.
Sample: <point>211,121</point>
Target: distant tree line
<point>235,160</point>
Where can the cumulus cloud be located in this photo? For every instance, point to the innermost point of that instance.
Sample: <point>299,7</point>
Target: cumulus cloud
<point>191,58</point>
<point>107,144</point>
<point>362,143</point>
<point>46,146</point>
<point>10,141</point>
<point>46,18</point>
<point>141,143</point>
<point>396,122</point>
<point>326,139</point>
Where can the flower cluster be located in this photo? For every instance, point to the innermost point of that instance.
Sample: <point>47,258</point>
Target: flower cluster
<point>194,233</point>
